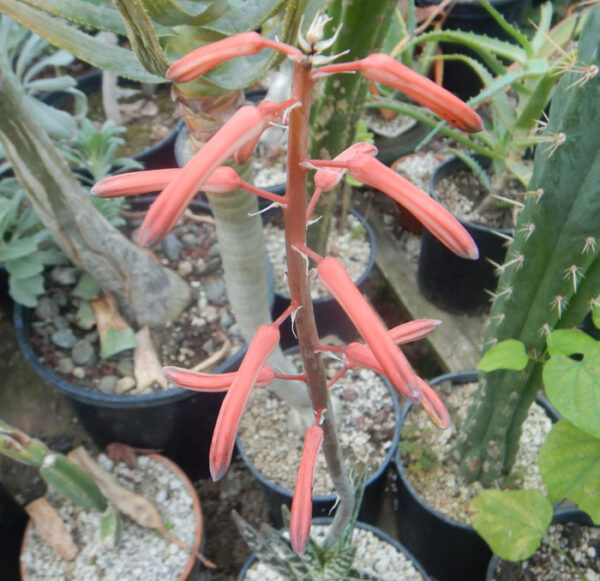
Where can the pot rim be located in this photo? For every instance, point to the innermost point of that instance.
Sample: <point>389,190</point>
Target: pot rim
<point>323,520</point>
<point>451,165</point>
<point>199,539</point>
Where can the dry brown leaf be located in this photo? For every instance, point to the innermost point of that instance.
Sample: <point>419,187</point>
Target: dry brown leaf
<point>51,528</point>
<point>107,314</point>
<point>146,366</point>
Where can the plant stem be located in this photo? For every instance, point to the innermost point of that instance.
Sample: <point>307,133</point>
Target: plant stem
<point>308,339</point>
<point>568,559</point>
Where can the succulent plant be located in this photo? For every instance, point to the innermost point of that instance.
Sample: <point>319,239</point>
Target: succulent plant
<point>551,276</point>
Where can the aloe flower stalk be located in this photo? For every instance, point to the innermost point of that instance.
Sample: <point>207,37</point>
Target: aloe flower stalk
<point>236,140</point>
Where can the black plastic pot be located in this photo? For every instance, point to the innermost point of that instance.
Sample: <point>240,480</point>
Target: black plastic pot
<point>389,149</point>
<point>322,505</point>
<point>176,422</point>
<point>561,516</point>
<point>361,525</point>
<point>472,17</point>
<point>158,156</point>
<point>456,284</point>
<point>449,550</point>
<point>12,524</point>
<point>329,315</point>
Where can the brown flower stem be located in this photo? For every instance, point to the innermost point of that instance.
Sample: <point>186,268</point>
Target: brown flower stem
<point>308,339</point>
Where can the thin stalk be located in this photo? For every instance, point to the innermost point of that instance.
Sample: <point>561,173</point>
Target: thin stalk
<point>568,559</point>
<point>308,339</point>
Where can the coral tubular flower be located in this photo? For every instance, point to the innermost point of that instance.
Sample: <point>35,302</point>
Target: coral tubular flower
<point>396,368</point>
<point>434,406</point>
<point>384,69</point>
<point>327,179</point>
<point>205,58</point>
<point>301,514</point>
<point>221,181</point>
<point>262,345</point>
<point>212,382</point>
<point>245,125</point>
<point>441,223</point>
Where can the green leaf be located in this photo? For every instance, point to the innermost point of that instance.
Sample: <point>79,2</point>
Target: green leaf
<point>85,315</point>
<point>120,61</point>
<point>573,385</point>
<point>24,267</point>
<point>569,463</point>
<point>171,13</point>
<point>512,522</point>
<point>247,16</point>
<point>111,527</point>
<point>87,287</point>
<point>25,291</point>
<point>596,313</point>
<point>115,341</point>
<point>17,249</point>
<point>509,354</point>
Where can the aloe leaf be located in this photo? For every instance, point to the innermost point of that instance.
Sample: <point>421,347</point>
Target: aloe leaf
<point>28,52</point>
<point>573,386</point>
<point>247,16</point>
<point>508,354</point>
<point>86,288</point>
<point>540,38</point>
<point>111,527</point>
<point>116,340</point>
<point>120,61</point>
<point>58,58</point>
<point>569,463</point>
<point>171,13</point>
<point>142,36</point>
<point>61,83</point>
<point>17,249</point>
<point>512,522</point>
<point>96,17</point>
<point>24,267</point>
<point>59,124</point>
<point>509,29</point>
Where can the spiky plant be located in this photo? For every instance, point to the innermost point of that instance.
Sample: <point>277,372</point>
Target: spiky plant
<point>552,271</point>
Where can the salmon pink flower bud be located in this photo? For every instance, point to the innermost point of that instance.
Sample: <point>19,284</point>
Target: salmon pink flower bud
<point>244,126</point>
<point>221,181</point>
<point>395,366</point>
<point>384,69</point>
<point>205,58</point>
<point>328,179</point>
<point>301,514</point>
<point>262,345</point>
<point>434,406</point>
<point>197,381</point>
<point>441,223</point>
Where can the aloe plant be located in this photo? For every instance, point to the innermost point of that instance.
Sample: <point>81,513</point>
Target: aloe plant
<point>551,276</point>
<point>519,79</point>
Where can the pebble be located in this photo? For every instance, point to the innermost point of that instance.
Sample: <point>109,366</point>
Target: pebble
<point>108,384</point>
<point>214,251</point>
<point>78,372</point>
<point>83,353</point>
<point>215,291</point>
<point>60,322</point>
<point>46,309</point>
<point>59,297</point>
<point>66,275</point>
<point>211,314</point>
<point>64,338</point>
<point>125,365</point>
<point>189,239</point>
<point>185,268</point>
<point>226,319</point>
<point>172,247</point>
<point>64,365</point>
<point>125,384</point>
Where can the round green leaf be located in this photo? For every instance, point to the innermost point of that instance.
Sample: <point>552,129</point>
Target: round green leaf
<point>512,522</point>
<point>569,462</point>
<point>509,354</point>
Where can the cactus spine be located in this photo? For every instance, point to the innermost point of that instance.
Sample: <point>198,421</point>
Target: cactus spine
<point>552,270</point>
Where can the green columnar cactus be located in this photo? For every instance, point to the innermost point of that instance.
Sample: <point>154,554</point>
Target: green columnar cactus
<point>552,269</point>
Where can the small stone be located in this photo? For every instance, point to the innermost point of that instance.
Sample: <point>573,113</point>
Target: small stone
<point>211,314</point>
<point>200,265</point>
<point>208,346</point>
<point>189,239</point>
<point>349,394</point>
<point>64,338</point>
<point>172,247</point>
<point>66,275</point>
<point>125,366</point>
<point>78,372</point>
<point>59,297</point>
<point>226,319</point>
<point>83,353</point>
<point>215,291</point>
<point>46,309</point>
<point>185,268</point>
<point>161,496</point>
<point>108,384</point>
<point>64,365</point>
<point>214,251</point>
<point>60,322</point>
<point>125,384</point>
